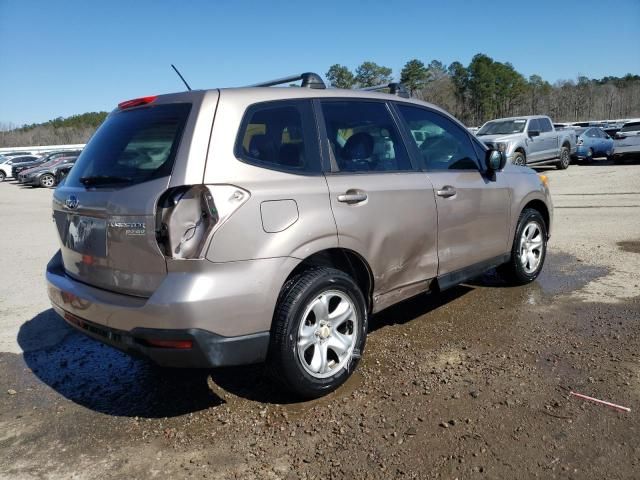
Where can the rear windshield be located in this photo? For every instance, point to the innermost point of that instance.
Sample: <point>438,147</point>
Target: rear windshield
<point>131,146</point>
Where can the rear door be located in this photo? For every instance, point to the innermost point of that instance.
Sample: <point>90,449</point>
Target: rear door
<point>473,207</point>
<point>549,139</point>
<point>383,206</point>
<point>104,211</point>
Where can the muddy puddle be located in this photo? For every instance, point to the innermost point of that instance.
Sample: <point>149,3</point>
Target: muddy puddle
<point>105,380</point>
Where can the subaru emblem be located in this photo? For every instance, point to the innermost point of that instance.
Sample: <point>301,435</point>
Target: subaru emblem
<point>71,202</point>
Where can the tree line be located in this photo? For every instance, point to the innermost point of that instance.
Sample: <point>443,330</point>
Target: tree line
<point>59,131</point>
<point>487,89</point>
<point>483,90</point>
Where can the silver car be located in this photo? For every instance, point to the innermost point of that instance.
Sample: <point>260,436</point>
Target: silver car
<point>235,226</point>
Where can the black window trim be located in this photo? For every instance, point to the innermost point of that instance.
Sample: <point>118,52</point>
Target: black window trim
<point>330,165</point>
<point>415,151</point>
<point>310,133</point>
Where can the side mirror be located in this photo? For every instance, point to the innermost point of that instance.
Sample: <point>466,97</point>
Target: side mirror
<point>534,133</point>
<point>495,160</point>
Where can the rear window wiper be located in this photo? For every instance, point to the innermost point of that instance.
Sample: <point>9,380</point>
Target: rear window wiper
<point>103,180</point>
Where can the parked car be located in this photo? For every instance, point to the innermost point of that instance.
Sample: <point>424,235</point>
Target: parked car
<point>593,142</point>
<point>49,174</point>
<point>6,168</point>
<point>626,148</point>
<point>629,129</point>
<point>530,140</point>
<point>234,226</point>
<point>17,169</point>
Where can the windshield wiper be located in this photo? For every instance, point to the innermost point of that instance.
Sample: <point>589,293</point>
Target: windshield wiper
<point>103,180</point>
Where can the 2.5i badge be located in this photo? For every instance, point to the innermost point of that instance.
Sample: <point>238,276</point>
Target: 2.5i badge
<point>130,228</point>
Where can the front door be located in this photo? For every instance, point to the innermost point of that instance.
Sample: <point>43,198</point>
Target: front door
<point>473,207</point>
<point>383,206</point>
<point>535,144</point>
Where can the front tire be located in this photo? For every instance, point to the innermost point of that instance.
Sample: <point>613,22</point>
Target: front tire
<point>47,180</point>
<point>519,159</point>
<point>565,159</point>
<point>2,176</point>
<point>319,332</point>
<point>529,249</point>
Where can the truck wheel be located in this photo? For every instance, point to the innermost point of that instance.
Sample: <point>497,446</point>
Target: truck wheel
<point>565,159</point>
<point>528,251</point>
<point>319,332</point>
<point>519,159</point>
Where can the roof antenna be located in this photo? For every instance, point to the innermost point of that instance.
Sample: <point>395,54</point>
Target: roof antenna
<point>181,77</point>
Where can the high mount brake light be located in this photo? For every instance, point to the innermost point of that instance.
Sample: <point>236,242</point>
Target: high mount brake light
<point>136,102</point>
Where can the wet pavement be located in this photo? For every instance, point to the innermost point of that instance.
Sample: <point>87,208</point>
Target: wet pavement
<point>471,383</point>
<point>474,381</point>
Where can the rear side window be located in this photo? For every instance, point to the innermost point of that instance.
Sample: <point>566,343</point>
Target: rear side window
<point>279,136</point>
<point>132,146</point>
<point>545,125</point>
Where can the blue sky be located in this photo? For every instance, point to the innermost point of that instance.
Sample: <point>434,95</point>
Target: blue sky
<point>61,57</point>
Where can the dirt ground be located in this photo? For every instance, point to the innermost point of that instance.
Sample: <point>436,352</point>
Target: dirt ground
<point>473,383</point>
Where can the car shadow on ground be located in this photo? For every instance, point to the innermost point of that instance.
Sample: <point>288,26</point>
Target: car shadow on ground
<point>106,380</point>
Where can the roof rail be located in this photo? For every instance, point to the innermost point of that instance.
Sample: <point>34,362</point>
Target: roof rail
<point>309,80</point>
<point>394,88</point>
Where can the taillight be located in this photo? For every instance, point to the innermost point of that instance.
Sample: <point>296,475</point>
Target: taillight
<point>136,102</point>
<point>187,216</point>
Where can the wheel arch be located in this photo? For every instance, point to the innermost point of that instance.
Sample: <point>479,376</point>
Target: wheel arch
<point>345,260</point>
<point>540,206</point>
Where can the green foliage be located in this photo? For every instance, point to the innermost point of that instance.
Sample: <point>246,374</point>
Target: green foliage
<point>414,75</point>
<point>340,76</point>
<point>370,74</point>
<point>89,119</point>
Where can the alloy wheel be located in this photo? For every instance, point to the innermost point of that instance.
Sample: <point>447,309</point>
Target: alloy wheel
<point>47,181</point>
<point>531,247</point>
<point>327,334</point>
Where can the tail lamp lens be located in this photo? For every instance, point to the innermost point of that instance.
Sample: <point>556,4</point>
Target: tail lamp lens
<point>187,217</point>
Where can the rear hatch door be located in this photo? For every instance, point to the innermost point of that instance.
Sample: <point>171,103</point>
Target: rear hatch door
<point>105,209</point>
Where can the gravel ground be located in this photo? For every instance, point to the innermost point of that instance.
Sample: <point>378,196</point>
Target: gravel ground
<point>473,383</point>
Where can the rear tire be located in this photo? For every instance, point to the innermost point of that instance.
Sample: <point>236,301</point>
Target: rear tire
<point>47,181</point>
<point>529,249</point>
<point>565,159</point>
<point>319,332</point>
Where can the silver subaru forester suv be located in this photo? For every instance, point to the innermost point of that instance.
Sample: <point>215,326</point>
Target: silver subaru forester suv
<point>235,226</point>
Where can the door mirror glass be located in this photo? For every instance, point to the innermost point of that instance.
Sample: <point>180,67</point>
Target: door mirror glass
<point>495,160</point>
<point>534,133</point>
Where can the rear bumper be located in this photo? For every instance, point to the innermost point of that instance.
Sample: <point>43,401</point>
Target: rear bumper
<point>206,348</point>
<point>225,309</point>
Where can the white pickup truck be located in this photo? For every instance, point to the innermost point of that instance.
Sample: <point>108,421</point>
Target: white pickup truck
<point>530,140</point>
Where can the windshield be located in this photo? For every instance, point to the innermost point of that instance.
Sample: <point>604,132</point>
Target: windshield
<point>502,127</point>
<point>631,127</point>
<point>132,146</point>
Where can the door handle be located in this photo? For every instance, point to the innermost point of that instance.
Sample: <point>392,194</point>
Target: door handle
<point>446,192</point>
<point>352,197</point>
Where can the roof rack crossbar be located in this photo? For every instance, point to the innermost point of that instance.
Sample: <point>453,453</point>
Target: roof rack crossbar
<point>309,80</point>
<point>394,88</point>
